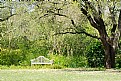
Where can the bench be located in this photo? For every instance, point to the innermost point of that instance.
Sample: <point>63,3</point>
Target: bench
<point>41,60</point>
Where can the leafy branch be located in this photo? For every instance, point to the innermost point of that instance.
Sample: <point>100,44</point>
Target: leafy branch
<point>4,19</point>
<point>73,23</point>
<point>81,32</point>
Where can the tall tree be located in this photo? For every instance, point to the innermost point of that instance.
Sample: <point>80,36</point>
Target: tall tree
<point>97,12</point>
<point>93,10</point>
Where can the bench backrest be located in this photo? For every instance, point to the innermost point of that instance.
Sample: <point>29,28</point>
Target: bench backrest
<point>41,59</point>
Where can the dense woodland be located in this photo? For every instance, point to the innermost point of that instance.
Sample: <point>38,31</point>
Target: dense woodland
<point>77,33</point>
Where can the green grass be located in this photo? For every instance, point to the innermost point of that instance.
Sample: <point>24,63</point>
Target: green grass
<point>58,75</point>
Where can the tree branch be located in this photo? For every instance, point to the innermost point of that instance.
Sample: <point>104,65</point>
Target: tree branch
<point>90,35</point>
<point>43,16</point>
<point>73,23</point>
<point>58,14</point>
<point>81,32</point>
<point>119,22</point>
<point>91,20</point>
<point>2,7</point>
<point>5,7</point>
<point>94,18</point>
<point>1,20</point>
<point>112,12</point>
<point>53,14</point>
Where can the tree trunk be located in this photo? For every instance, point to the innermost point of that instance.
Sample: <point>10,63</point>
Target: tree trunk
<point>109,55</point>
<point>108,48</point>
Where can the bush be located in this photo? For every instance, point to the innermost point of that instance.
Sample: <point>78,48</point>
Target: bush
<point>11,57</point>
<point>95,54</point>
<point>69,61</point>
<point>55,66</point>
<point>118,59</point>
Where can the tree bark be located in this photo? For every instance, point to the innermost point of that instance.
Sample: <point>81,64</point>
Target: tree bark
<point>109,56</point>
<point>109,51</point>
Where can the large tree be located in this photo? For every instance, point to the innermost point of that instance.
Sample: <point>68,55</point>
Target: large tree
<point>96,11</point>
<point>105,17</point>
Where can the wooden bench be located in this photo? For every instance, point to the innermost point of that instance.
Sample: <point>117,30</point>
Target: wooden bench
<point>41,60</point>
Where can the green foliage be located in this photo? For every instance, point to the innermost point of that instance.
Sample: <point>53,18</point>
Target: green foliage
<point>118,61</point>
<point>39,47</point>
<point>55,66</point>
<point>14,52</point>
<point>118,58</point>
<point>69,61</point>
<point>10,57</point>
<point>95,54</point>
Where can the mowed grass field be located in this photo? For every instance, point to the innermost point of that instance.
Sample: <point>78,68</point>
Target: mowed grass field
<point>58,75</point>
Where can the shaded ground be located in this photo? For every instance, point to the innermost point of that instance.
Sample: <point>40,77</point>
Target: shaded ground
<point>59,75</point>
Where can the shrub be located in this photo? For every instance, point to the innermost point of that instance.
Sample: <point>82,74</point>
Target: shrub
<point>95,54</point>
<point>11,57</point>
<point>118,59</point>
<point>69,61</point>
<point>55,66</point>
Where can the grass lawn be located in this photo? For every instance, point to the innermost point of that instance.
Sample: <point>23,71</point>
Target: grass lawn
<point>58,75</point>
